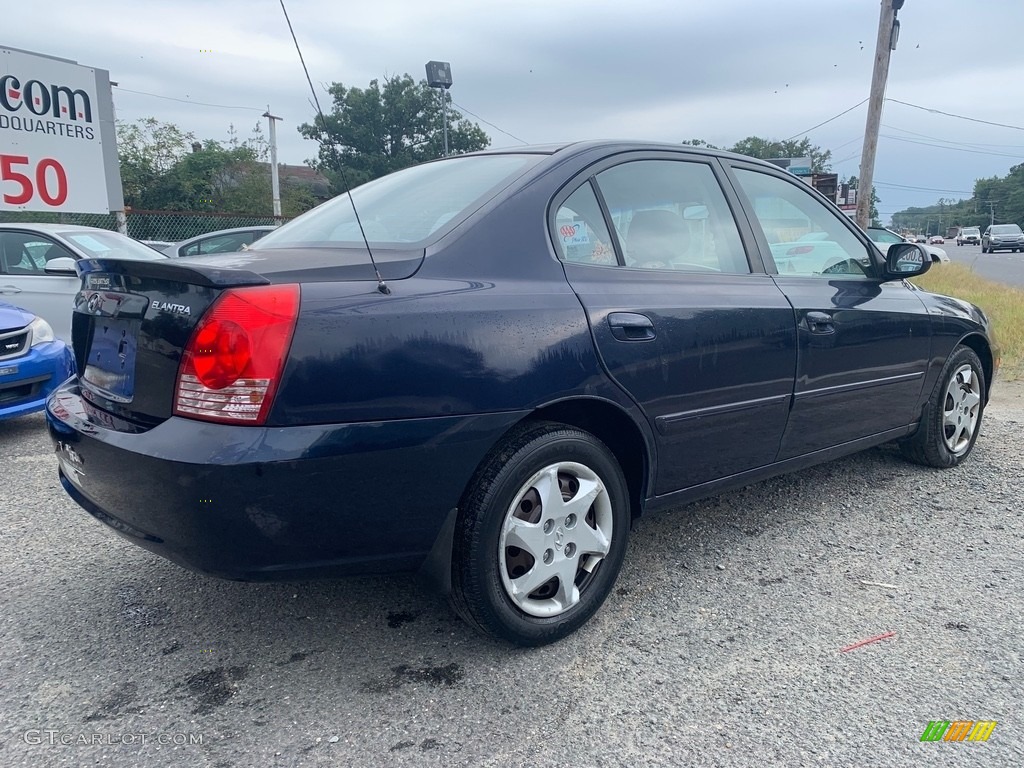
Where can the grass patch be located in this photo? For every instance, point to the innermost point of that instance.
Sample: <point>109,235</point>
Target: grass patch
<point>1003,304</point>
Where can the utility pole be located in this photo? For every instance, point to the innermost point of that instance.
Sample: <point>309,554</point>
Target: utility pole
<point>888,34</point>
<point>275,183</point>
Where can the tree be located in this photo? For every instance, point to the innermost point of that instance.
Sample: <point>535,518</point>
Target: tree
<point>385,128</point>
<point>165,168</point>
<point>767,149</point>
<point>146,150</point>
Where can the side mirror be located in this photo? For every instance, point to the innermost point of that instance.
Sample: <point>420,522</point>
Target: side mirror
<point>62,265</point>
<point>904,260</point>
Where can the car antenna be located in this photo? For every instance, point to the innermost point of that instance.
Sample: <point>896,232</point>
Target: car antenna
<point>381,285</point>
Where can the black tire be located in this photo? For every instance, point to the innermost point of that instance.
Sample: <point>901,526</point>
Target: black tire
<point>502,492</point>
<point>936,444</point>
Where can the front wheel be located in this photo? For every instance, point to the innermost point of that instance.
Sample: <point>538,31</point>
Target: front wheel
<point>541,535</point>
<point>952,416</point>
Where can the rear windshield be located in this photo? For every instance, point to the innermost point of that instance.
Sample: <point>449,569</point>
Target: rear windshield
<point>971,231</point>
<point>403,208</point>
<point>110,245</point>
<point>1005,229</point>
<point>884,236</point>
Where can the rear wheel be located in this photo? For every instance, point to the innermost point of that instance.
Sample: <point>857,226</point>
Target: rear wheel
<point>952,417</point>
<point>541,535</point>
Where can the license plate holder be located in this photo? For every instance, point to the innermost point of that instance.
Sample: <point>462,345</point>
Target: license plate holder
<point>110,364</point>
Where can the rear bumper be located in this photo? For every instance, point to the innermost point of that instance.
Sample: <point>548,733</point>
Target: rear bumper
<point>271,503</point>
<point>31,378</point>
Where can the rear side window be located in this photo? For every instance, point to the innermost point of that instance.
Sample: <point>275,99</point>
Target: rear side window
<point>219,244</point>
<point>665,214</point>
<point>672,215</point>
<point>404,208</point>
<point>581,233</point>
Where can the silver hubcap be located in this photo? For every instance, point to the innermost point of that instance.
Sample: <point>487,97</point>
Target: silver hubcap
<point>960,412</point>
<point>556,532</point>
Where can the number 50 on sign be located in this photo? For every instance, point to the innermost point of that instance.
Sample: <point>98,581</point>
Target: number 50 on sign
<point>22,182</point>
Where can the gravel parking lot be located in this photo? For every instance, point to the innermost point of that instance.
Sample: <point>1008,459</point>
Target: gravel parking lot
<point>720,647</point>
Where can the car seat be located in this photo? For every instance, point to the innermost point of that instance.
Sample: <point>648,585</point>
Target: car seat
<point>656,238</point>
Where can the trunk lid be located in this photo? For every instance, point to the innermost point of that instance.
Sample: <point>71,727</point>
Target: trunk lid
<point>132,319</point>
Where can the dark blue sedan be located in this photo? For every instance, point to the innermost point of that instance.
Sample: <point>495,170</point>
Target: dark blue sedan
<point>32,362</point>
<point>501,363</point>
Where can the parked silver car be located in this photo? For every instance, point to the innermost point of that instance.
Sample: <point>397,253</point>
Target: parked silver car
<point>37,266</point>
<point>221,241</point>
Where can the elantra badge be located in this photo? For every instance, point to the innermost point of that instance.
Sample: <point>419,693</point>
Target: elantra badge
<point>178,309</point>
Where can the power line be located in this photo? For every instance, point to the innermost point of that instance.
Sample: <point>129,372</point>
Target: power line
<point>827,121</point>
<point>490,124</point>
<point>922,189</point>
<point>953,149</point>
<point>951,141</point>
<point>961,117</point>
<point>187,101</point>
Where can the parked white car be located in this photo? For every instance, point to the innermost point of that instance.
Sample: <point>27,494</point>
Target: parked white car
<point>37,266</point>
<point>883,238</point>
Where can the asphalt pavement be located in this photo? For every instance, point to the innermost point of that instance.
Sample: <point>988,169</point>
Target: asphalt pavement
<point>1003,266</point>
<point>722,644</point>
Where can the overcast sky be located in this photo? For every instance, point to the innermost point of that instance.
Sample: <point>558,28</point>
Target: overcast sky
<point>543,71</point>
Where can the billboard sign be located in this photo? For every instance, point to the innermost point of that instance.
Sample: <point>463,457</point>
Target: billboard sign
<point>58,147</point>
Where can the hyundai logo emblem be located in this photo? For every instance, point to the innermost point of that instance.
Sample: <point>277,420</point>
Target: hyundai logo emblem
<point>95,302</point>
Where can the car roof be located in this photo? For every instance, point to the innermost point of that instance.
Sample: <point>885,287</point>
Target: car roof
<point>47,227</point>
<point>620,145</point>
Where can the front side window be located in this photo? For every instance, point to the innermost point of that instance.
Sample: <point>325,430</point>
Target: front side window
<point>805,238</point>
<point>22,253</point>
<point>672,215</point>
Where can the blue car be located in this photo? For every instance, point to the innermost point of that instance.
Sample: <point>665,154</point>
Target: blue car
<point>33,362</point>
<point>507,358</point>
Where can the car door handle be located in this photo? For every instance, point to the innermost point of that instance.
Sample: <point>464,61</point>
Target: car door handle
<point>820,322</point>
<point>631,326</point>
<point>9,289</point>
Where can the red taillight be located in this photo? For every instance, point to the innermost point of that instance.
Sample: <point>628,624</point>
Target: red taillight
<point>233,362</point>
<point>799,250</point>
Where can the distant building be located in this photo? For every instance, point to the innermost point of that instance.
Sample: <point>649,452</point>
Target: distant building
<point>303,176</point>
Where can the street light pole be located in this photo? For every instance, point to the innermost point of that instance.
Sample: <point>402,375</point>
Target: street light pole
<point>439,75</point>
<point>888,34</point>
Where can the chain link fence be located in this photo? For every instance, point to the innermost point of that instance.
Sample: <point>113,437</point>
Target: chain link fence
<point>159,226</point>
